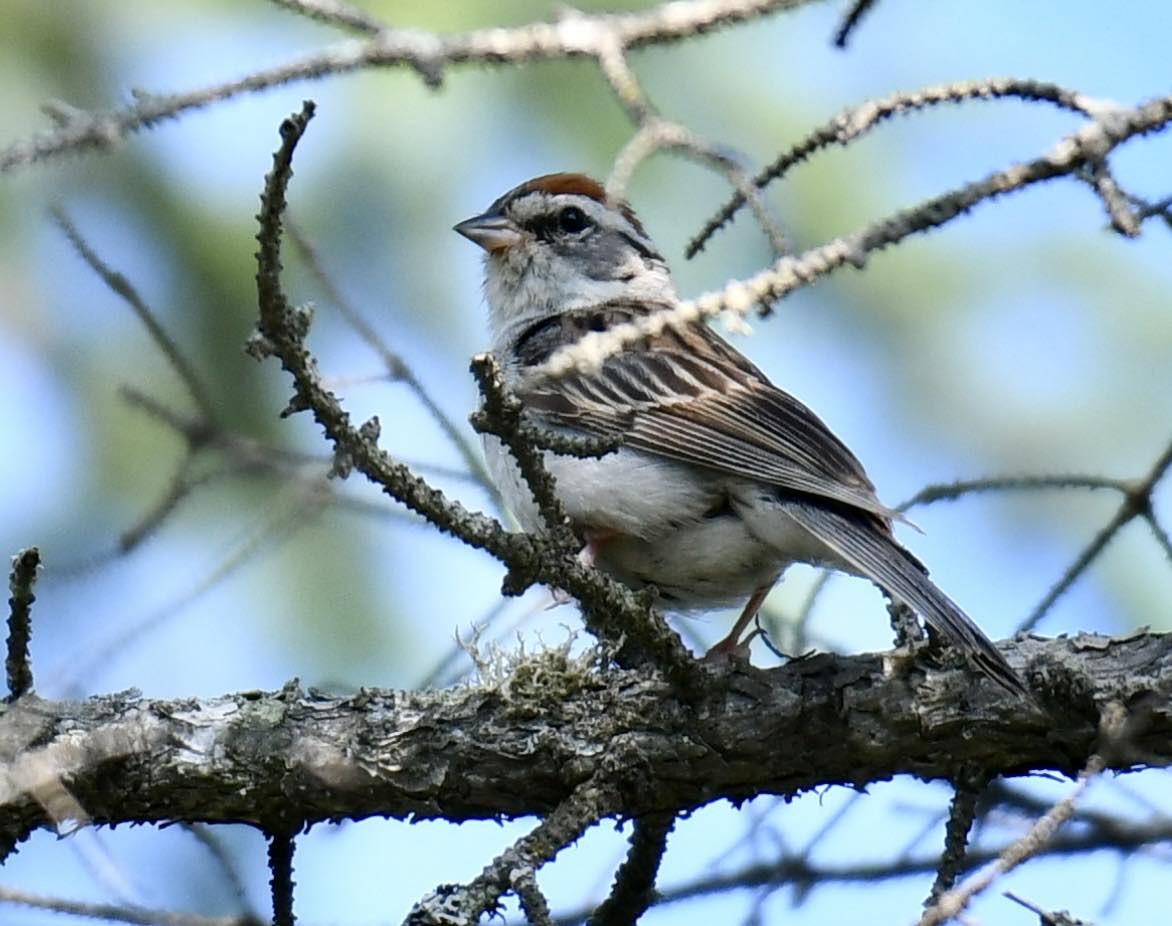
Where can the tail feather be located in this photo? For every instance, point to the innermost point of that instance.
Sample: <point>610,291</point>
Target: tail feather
<point>868,550</point>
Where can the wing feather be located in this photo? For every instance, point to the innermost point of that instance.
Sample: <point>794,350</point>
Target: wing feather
<point>876,555</point>
<point>687,395</point>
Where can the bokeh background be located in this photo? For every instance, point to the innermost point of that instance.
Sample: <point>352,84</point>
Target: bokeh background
<point>1026,338</point>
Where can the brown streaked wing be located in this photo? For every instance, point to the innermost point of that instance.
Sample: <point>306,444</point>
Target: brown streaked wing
<point>690,396</point>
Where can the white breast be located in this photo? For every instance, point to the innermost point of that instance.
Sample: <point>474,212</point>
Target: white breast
<point>665,525</point>
<point>626,491</point>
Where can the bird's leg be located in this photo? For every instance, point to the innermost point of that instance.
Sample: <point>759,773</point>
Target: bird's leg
<point>733,645</point>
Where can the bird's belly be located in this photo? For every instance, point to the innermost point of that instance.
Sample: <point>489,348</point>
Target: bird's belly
<point>710,563</point>
<point>696,537</point>
<point>625,492</point>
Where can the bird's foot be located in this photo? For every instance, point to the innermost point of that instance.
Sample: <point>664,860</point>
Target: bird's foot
<point>730,649</point>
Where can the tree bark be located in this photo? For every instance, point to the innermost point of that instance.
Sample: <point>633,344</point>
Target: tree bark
<point>522,743</point>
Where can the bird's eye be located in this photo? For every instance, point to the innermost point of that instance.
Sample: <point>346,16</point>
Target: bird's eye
<point>572,220</point>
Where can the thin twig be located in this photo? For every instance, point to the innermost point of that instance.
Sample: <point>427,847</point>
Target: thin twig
<point>962,812</point>
<point>245,457</point>
<point>1137,502</point>
<point>1145,210</point>
<point>1101,824</point>
<point>397,368</point>
<point>534,906</point>
<point>196,388</point>
<point>1091,142</point>
<point>306,503</point>
<point>858,9</point>
<point>950,491</point>
<point>21,580</point>
<point>1161,535</point>
<point>656,133</point>
<point>855,121</point>
<point>1047,917</point>
<point>634,884</point>
<point>952,903</point>
<point>589,803</point>
<point>797,870</point>
<point>281,882</point>
<point>119,913</point>
<point>1119,211</point>
<point>501,416</point>
<point>209,838</point>
<point>573,35</point>
<point>335,13</point>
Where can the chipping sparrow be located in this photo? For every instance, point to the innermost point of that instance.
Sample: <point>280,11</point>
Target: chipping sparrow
<point>721,480</point>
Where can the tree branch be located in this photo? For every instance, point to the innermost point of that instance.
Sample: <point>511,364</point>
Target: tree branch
<point>1088,145</point>
<point>524,744</point>
<point>634,884</point>
<point>573,35</point>
<point>589,802</point>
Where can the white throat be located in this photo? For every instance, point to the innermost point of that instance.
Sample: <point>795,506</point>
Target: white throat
<point>519,295</point>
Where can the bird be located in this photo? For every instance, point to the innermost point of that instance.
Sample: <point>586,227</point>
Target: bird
<point>720,480</point>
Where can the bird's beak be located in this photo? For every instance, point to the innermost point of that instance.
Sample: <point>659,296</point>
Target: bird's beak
<point>492,231</point>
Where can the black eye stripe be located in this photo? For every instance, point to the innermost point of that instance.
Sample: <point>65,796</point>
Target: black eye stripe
<point>641,246</point>
<point>571,220</point>
<point>565,222</point>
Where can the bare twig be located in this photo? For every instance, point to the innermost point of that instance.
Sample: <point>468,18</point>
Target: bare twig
<point>500,416</point>
<point>589,803</point>
<point>243,456</point>
<point>1137,502</point>
<point>858,9</point>
<point>1095,823</point>
<point>1123,218</point>
<point>123,287</point>
<point>798,871</point>
<point>306,501</point>
<point>1040,834</point>
<point>656,133</point>
<point>962,812</point>
<point>573,35</point>
<point>1047,917</point>
<point>1145,210</point>
<point>210,839</point>
<point>855,121</point>
<point>21,580</point>
<point>634,883</point>
<point>1091,142</point>
<point>1162,537</point>
<point>120,913</point>
<point>534,906</point>
<point>950,491</point>
<point>397,368</point>
<point>335,13</point>
<point>281,877</point>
